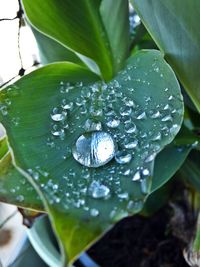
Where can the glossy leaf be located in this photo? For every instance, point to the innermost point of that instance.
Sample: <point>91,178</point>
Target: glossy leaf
<point>173,25</point>
<point>52,51</point>
<point>115,15</point>
<point>76,25</point>
<point>145,97</point>
<point>14,187</point>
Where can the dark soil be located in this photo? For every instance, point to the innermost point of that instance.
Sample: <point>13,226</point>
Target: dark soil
<point>141,242</point>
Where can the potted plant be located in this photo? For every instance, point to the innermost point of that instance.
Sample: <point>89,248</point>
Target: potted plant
<point>95,134</point>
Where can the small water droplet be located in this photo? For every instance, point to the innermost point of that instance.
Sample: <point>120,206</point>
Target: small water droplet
<point>113,122</point>
<point>94,212</point>
<point>122,157</point>
<point>130,127</point>
<point>97,190</point>
<point>167,118</point>
<point>141,116</point>
<point>131,145</point>
<point>91,125</point>
<point>136,176</point>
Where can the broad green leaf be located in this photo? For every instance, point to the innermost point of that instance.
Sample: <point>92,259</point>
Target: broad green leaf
<point>141,110</point>
<point>173,25</point>
<point>115,15</point>
<point>52,51</point>
<point>14,187</point>
<point>75,24</point>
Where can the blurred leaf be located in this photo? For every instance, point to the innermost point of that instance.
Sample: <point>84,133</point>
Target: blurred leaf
<point>52,51</point>
<point>167,163</point>
<point>75,24</point>
<point>191,169</point>
<point>173,25</point>
<point>86,201</point>
<point>156,200</point>
<point>115,15</point>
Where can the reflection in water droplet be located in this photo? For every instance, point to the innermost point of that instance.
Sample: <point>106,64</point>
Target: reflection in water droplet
<point>94,149</point>
<point>122,157</point>
<point>97,190</point>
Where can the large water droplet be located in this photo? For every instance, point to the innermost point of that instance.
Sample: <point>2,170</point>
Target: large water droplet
<point>94,149</point>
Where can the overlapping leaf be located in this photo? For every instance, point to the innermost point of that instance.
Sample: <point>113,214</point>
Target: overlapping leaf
<point>76,25</point>
<point>173,25</point>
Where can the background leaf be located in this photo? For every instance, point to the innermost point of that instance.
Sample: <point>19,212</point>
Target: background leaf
<point>76,25</point>
<point>150,114</point>
<point>115,15</point>
<point>52,51</point>
<point>173,25</point>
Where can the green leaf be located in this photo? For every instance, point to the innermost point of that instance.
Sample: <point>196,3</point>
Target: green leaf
<point>115,15</point>
<point>14,187</point>
<point>141,109</point>
<point>191,170</point>
<point>173,25</point>
<point>3,147</point>
<point>76,25</point>
<point>167,163</point>
<point>52,51</point>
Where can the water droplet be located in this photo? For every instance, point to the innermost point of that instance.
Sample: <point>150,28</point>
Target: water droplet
<point>141,116</point>
<point>130,127</point>
<point>122,157</point>
<point>167,118</point>
<point>94,149</point>
<point>57,117</point>
<point>123,195</point>
<point>155,115</point>
<point>94,212</point>
<point>125,111</point>
<point>67,105</point>
<point>113,122</point>
<point>131,145</point>
<point>91,125</point>
<point>136,176</point>
<point>97,190</point>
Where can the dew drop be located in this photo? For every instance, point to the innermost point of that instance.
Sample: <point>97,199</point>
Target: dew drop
<point>131,145</point>
<point>141,116</point>
<point>136,176</point>
<point>122,157</point>
<point>113,122</point>
<point>94,212</point>
<point>97,190</point>
<point>94,149</point>
<point>91,125</point>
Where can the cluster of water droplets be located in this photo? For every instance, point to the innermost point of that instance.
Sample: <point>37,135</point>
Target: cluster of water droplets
<point>114,129</point>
